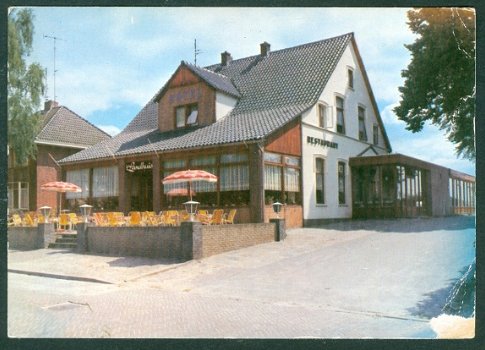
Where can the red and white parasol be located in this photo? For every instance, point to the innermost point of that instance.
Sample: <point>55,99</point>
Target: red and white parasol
<point>189,176</point>
<point>174,192</point>
<point>60,187</point>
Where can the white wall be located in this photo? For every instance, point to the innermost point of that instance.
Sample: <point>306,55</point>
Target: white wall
<point>349,144</point>
<point>224,104</point>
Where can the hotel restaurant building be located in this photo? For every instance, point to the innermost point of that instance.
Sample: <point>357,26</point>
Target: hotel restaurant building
<point>298,125</point>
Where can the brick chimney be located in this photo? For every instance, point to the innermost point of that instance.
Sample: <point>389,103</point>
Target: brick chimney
<point>265,49</point>
<point>226,58</point>
<point>48,105</point>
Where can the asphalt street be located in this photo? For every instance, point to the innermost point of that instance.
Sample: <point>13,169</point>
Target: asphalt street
<point>358,279</point>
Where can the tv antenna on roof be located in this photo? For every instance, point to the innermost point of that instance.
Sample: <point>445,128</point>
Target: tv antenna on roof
<point>55,38</point>
<point>196,52</point>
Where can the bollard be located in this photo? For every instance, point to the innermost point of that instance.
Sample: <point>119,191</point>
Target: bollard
<point>82,237</point>
<point>280,229</point>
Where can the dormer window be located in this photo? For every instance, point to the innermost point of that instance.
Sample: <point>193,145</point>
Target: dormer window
<point>186,115</point>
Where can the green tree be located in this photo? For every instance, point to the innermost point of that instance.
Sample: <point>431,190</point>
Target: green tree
<point>25,86</point>
<point>439,82</point>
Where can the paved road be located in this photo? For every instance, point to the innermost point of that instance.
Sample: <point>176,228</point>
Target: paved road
<point>363,279</point>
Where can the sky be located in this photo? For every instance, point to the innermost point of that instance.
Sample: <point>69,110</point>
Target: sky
<point>110,62</point>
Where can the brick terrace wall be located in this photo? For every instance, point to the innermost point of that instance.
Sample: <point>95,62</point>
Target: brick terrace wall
<point>151,242</point>
<point>223,238</point>
<point>29,238</point>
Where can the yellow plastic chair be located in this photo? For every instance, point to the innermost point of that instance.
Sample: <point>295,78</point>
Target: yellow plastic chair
<point>29,221</point>
<point>16,220</point>
<point>64,221</point>
<point>230,217</point>
<point>100,219</point>
<point>217,217</point>
<point>74,219</point>
<point>135,218</point>
<point>170,217</point>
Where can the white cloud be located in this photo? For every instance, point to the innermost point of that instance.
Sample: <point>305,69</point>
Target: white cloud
<point>431,145</point>
<point>110,129</point>
<point>389,117</point>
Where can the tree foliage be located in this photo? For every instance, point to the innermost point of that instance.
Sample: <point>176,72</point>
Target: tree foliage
<point>439,82</point>
<point>25,86</point>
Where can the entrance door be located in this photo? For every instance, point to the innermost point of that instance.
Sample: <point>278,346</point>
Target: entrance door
<point>142,191</point>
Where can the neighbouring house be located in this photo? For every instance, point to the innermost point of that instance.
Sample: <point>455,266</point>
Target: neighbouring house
<point>280,126</point>
<point>62,134</point>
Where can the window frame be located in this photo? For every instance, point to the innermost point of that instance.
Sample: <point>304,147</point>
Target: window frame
<point>320,174</point>
<point>187,110</point>
<point>375,134</point>
<point>350,78</point>
<point>361,120</point>
<point>340,128</point>
<point>342,176</point>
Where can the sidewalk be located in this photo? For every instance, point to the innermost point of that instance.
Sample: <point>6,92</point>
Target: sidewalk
<point>377,279</point>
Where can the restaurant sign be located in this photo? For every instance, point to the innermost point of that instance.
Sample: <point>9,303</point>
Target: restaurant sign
<point>134,166</point>
<point>321,142</point>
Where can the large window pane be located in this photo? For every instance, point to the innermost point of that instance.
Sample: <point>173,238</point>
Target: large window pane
<point>320,184</point>
<point>272,177</point>
<point>80,178</point>
<point>105,182</point>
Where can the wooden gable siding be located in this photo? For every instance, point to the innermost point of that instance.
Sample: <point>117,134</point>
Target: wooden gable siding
<point>186,88</point>
<point>287,140</point>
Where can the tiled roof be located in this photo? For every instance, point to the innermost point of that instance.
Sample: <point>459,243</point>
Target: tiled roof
<point>273,90</point>
<point>217,81</point>
<point>63,126</point>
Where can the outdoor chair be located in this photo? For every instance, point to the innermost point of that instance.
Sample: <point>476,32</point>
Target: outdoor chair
<point>170,217</point>
<point>100,219</point>
<point>217,217</point>
<point>114,219</point>
<point>203,216</point>
<point>74,219</point>
<point>16,220</point>
<point>230,217</point>
<point>29,221</point>
<point>64,222</point>
<point>135,218</point>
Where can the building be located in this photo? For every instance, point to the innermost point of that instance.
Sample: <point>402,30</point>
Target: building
<point>277,126</point>
<point>62,133</point>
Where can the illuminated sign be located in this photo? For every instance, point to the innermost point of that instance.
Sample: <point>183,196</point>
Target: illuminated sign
<point>321,142</point>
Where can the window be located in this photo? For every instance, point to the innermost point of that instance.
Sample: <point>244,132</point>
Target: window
<point>281,179</point>
<point>350,75</point>
<point>320,180</point>
<point>234,179</point>
<point>18,195</point>
<point>321,115</point>
<point>375,132</point>
<point>105,182</point>
<point>80,178</point>
<point>341,183</point>
<point>340,115</point>
<point>186,115</point>
<point>362,131</point>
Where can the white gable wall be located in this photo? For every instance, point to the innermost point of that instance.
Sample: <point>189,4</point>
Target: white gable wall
<point>224,104</point>
<point>343,146</point>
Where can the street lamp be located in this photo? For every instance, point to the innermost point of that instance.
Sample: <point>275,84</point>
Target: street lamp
<point>277,208</point>
<point>191,208</point>
<point>86,211</point>
<point>46,212</point>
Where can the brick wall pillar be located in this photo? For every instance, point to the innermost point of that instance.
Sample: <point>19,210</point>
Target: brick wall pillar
<point>191,240</point>
<point>122,194</point>
<point>156,183</point>
<point>82,237</point>
<point>256,182</point>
